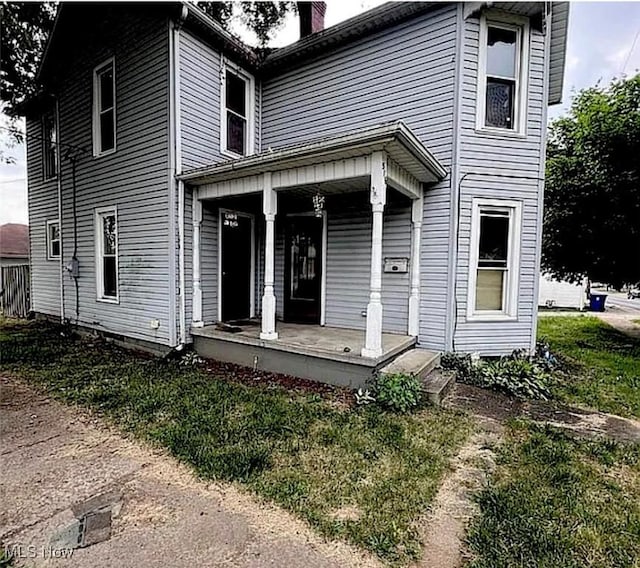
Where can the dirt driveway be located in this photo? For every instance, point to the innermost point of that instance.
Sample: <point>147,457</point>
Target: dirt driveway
<point>75,494</point>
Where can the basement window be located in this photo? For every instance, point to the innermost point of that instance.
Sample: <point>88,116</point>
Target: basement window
<point>237,131</point>
<point>495,254</point>
<point>106,233</point>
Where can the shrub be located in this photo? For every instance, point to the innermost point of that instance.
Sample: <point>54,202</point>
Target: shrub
<point>398,391</point>
<point>517,375</point>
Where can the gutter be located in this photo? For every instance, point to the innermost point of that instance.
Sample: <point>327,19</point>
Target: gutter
<point>384,134</point>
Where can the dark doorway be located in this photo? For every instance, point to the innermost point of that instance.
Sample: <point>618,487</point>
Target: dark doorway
<point>303,268</point>
<point>236,235</point>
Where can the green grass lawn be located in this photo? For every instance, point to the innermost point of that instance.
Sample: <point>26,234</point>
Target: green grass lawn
<point>358,474</point>
<point>603,364</point>
<point>555,501</point>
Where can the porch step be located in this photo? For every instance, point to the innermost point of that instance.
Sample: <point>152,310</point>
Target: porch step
<point>417,362</point>
<point>437,384</point>
<point>424,364</point>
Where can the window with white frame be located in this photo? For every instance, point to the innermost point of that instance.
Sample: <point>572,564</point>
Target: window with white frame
<point>106,233</point>
<point>237,111</point>
<point>49,150</point>
<point>104,108</point>
<point>53,240</point>
<point>502,74</point>
<point>495,254</point>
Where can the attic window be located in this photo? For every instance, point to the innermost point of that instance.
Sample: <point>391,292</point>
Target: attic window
<point>237,112</point>
<point>104,109</point>
<point>502,74</point>
<point>49,151</point>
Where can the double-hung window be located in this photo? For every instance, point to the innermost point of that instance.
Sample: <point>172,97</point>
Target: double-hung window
<point>106,232</point>
<point>104,108</point>
<point>495,254</point>
<point>53,240</point>
<point>502,75</point>
<point>49,146</point>
<point>237,111</point>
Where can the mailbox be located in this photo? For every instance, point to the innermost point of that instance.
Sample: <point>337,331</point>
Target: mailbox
<point>398,265</point>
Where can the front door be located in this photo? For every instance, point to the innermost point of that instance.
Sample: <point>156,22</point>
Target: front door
<point>236,251</point>
<point>303,269</point>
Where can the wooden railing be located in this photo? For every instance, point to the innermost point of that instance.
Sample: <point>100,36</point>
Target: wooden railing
<point>14,291</point>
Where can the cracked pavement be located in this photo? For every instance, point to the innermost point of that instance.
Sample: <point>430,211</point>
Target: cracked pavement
<point>62,471</point>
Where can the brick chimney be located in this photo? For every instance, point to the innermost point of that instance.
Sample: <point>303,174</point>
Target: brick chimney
<point>311,17</point>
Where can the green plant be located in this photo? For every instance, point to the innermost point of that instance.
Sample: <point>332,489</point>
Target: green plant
<point>517,374</point>
<point>398,391</point>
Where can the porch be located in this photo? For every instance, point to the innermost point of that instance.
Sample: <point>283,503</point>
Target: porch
<point>326,354</point>
<point>326,233</point>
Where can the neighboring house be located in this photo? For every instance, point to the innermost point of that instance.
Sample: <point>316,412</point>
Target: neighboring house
<point>562,294</point>
<point>14,244</point>
<point>380,181</point>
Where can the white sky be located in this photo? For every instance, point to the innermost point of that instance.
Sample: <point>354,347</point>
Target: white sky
<point>600,47</point>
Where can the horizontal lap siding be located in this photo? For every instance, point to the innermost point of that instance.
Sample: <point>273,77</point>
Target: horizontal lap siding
<point>209,260</point>
<point>517,161</point>
<point>405,72</point>
<point>43,207</point>
<point>134,179</point>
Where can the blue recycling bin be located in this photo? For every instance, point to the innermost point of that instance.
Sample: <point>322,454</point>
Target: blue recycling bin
<point>596,302</point>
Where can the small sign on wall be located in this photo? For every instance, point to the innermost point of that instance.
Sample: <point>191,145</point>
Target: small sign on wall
<point>398,265</point>
<point>230,219</point>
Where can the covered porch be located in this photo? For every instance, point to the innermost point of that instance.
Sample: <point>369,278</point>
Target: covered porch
<point>314,249</point>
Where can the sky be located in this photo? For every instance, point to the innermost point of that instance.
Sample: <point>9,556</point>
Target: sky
<point>603,43</point>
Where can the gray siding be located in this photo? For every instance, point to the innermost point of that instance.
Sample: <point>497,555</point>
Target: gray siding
<point>134,179</point>
<point>200,67</point>
<point>43,207</point>
<point>518,160</point>
<point>407,73</point>
<point>209,261</point>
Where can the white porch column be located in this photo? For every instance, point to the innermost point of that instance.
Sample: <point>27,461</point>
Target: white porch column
<point>197,287</point>
<point>414,296</point>
<point>378,197</point>
<point>270,206</point>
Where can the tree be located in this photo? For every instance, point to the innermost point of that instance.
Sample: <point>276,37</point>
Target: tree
<point>25,27</point>
<point>592,196</point>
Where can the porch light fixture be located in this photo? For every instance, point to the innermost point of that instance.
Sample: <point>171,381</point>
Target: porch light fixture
<point>318,204</point>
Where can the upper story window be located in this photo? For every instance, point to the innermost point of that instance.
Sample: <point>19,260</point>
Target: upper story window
<point>503,63</point>
<point>106,233</point>
<point>237,130</point>
<point>49,146</point>
<point>104,108</point>
<point>53,240</point>
<point>495,254</point>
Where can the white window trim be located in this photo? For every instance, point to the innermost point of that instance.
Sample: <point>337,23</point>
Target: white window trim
<point>96,109</point>
<point>44,147</point>
<point>50,255</point>
<point>510,311</point>
<point>97,229</point>
<point>521,25</point>
<point>250,98</point>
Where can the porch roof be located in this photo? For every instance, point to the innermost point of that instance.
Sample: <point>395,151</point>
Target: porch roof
<point>400,144</point>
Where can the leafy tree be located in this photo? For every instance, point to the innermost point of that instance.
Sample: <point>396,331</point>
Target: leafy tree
<point>25,27</point>
<point>592,196</point>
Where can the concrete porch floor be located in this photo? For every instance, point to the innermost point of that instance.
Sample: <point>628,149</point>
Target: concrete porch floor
<point>334,343</point>
<point>327,354</point>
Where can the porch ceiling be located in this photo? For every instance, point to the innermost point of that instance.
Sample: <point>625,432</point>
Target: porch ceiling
<point>344,161</point>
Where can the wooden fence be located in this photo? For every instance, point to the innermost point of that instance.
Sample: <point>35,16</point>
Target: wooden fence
<point>14,293</point>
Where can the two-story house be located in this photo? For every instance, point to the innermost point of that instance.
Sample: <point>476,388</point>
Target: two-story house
<point>371,189</point>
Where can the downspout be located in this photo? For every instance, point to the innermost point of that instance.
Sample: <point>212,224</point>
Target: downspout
<point>543,156</point>
<point>59,176</point>
<point>455,183</point>
<point>171,199</point>
<point>177,137</point>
